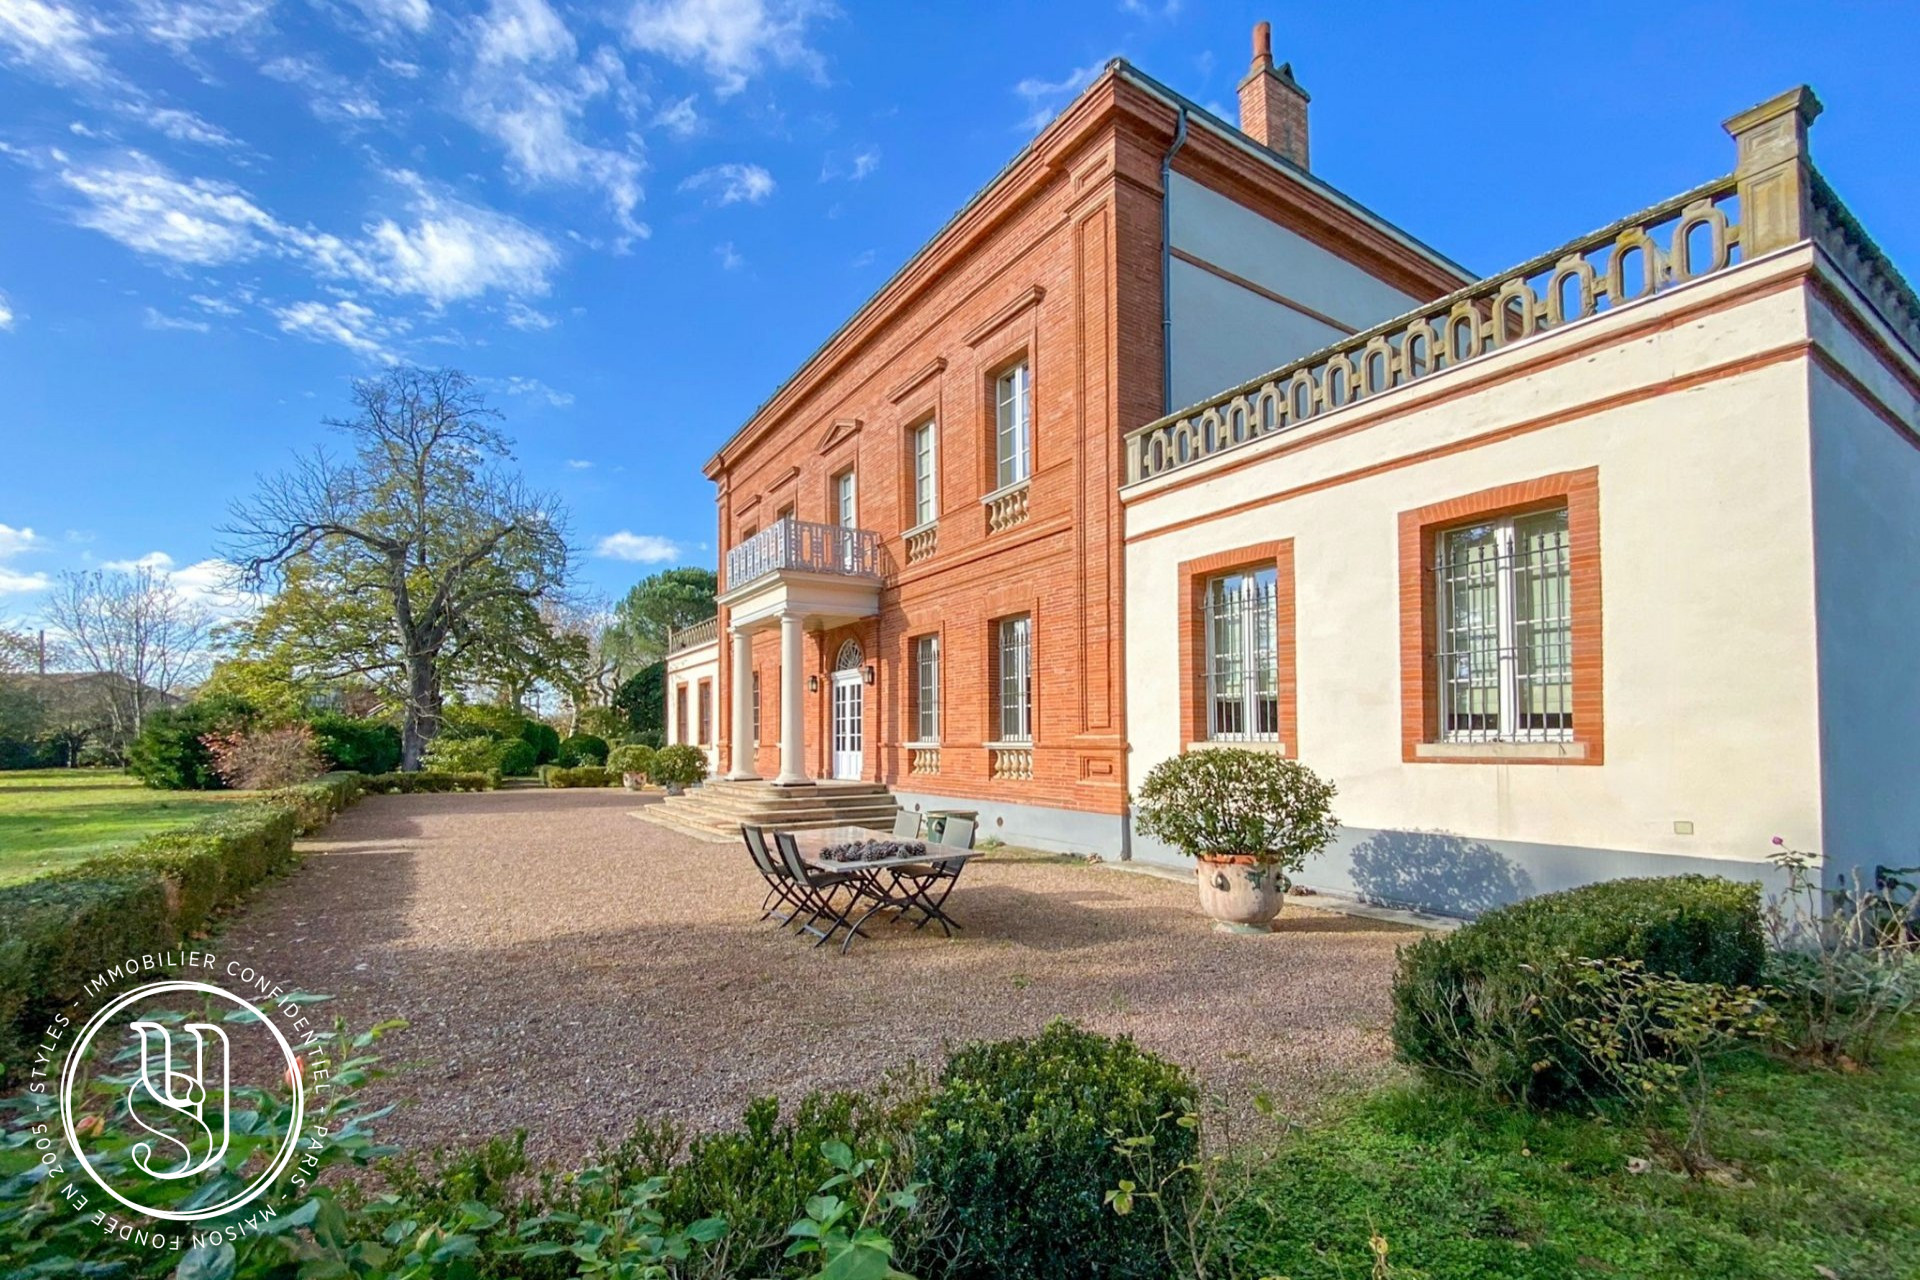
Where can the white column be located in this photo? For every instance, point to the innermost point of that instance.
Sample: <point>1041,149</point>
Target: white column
<point>793,704</point>
<point>740,685</point>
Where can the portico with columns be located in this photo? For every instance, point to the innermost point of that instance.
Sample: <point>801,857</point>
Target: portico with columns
<point>795,578</point>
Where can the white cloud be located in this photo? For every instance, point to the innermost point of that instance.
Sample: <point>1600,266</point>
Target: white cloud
<point>444,250</point>
<point>12,543</point>
<point>159,320</point>
<point>456,250</point>
<point>528,319</point>
<point>6,322</point>
<point>219,306</point>
<point>185,23</point>
<point>641,548</point>
<point>730,39</point>
<point>181,126</point>
<point>732,183</point>
<point>679,117</point>
<point>330,96</point>
<point>212,583</point>
<point>199,221</point>
<point>409,15</point>
<point>349,324</point>
<point>1046,98</point>
<point>48,38</point>
<point>579,464</point>
<point>852,167</point>
<point>530,92</point>
<point>730,259</point>
<point>518,386</point>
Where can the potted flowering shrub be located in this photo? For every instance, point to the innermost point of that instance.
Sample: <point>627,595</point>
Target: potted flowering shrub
<point>1251,819</point>
<point>678,767</point>
<point>633,762</point>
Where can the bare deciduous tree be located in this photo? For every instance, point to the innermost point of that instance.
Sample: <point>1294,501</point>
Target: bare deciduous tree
<point>136,630</point>
<point>425,530</point>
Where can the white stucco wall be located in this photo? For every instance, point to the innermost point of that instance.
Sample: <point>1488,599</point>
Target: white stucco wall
<point>1223,333</point>
<point>689,667</point>
<point>1866,504</point>
<point>1707,587</point>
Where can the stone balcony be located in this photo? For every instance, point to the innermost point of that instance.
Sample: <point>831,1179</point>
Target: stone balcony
<point>823,573</point>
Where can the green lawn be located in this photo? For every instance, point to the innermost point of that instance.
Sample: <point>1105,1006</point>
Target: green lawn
<point>1824,1182</point>
<point>53,818</point>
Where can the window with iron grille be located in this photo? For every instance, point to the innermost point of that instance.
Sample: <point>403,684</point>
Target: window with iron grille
<point>706,712</point>
<point>1014,672</point>
<point>756,708</point>
<point>680,714</point>
<point>1243,658</point>
<point>1013,437</point>
<point>1504,648</point>
<point>926,689</point>
<point>925,486</point>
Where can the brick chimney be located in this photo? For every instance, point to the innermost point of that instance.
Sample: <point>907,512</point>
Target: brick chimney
<point>1273,109</point>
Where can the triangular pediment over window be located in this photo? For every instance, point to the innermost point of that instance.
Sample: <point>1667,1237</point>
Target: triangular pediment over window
<point>843,429</point>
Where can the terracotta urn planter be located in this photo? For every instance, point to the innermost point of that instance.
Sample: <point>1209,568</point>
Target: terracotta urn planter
<point>633,781</point>
<point>1240,894</point>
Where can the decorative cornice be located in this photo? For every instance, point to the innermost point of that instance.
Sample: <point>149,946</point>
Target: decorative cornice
<point>934,368</point>
<point>1004,316</point>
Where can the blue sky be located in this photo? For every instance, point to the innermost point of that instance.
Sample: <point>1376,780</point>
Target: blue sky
<point>633,218</point>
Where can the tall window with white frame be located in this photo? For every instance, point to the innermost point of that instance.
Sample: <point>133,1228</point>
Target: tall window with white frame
<point>1243,659</point>
<point>926,689</point>
<point>1013,429</point>
<point>1014,690</point>
<point>756,708</point>
<point>846,512</point>
<point>926,501</point>
<point>1502,593</point>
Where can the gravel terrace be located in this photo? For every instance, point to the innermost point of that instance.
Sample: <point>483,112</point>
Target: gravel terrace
<point>565,967</point>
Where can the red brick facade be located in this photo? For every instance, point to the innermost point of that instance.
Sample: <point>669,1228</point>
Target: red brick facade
<point>1057,264</point>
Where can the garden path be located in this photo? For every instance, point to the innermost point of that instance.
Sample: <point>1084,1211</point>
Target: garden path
<point>564,968</point>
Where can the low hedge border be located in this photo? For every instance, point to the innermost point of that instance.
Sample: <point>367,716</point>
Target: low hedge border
<point>403,784</point>
<point>61,930</point>
<point>586,775</point>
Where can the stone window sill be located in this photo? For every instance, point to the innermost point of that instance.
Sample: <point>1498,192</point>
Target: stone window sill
<point>1496,752</point>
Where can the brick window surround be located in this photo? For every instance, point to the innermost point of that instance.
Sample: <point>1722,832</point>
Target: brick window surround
<point>1579,493</point>
<point>1194,576</point>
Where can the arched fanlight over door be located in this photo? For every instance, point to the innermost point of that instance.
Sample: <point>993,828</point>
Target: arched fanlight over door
<point>850,657</point>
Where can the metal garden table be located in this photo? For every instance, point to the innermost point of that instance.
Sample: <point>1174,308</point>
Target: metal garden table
<point>918,884</point>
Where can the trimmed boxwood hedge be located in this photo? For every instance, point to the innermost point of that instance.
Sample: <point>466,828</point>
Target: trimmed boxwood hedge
<point>315,803</point>
<point>586,775</point>
<point>426,780</point>
<point>59,931</point>
<point>1485,1003</point>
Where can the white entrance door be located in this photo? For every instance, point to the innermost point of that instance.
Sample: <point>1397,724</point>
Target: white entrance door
<point>848,705</point>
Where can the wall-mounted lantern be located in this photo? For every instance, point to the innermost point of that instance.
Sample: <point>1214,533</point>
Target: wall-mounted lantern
<point>813,684</point>
<point>872,673</point>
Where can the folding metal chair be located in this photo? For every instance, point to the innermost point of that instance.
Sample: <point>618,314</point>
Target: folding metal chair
<point>941,876</point>
<point>815,889</point>
<point>780,891</point>
<point>906,825</point>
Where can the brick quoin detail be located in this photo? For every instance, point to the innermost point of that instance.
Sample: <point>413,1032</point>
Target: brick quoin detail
<point>1193,642</point>
<point>1579,492</point>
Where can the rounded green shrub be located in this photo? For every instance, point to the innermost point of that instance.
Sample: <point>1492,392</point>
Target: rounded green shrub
<point>679,765</point>
<point>584,775</point>
<point>1023,1140</point>
<point>1238,802</point>
<point>545,739</point>
<point>631,757</point>
<point>583,748</point>
<point>518,758</point>
<point>1490,1004</point>
<point>359,746</point>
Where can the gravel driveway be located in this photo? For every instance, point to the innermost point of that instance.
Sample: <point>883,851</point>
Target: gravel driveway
<point>565,967</point>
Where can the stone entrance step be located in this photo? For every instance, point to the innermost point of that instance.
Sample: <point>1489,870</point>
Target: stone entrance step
<point>716,810</point>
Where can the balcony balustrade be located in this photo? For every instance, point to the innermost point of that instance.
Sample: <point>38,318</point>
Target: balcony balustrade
<point>804,546</point>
